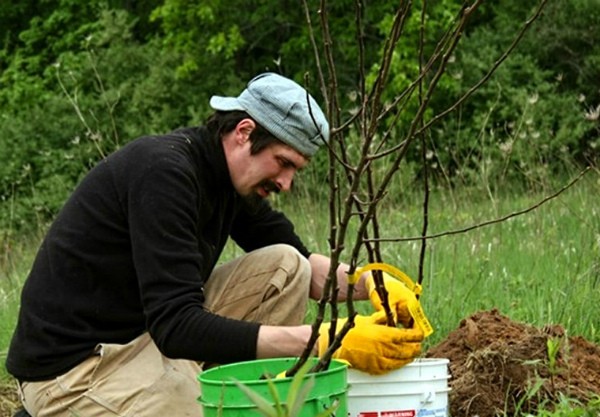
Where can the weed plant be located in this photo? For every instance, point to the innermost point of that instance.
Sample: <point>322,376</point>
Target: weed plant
<point>15,261</point>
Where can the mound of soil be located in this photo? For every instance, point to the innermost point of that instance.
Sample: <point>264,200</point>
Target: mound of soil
<point>500,366</point>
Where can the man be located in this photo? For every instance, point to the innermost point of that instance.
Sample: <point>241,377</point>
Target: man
<point>125,298</point>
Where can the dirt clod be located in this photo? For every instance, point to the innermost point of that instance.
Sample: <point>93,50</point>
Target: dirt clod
<point>500,367</point>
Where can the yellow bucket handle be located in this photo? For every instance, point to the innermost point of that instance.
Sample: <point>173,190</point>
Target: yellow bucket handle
<point>413,304</point>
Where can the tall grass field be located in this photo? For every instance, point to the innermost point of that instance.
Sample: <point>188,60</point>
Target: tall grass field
<point>542,267</point>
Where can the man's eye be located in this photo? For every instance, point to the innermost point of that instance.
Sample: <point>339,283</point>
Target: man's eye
<point>285,163</point>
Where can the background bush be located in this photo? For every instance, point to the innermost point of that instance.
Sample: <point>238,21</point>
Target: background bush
<point>78,80</point>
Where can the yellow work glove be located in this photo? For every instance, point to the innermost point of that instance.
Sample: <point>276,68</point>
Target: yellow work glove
<point>373,347</point>
<point>398,297</point>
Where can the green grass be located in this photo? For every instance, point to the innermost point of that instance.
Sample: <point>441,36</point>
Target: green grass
<point>542,267</point>
<point>15,262</point>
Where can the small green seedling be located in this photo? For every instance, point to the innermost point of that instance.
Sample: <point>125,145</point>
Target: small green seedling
<point>294,402</point>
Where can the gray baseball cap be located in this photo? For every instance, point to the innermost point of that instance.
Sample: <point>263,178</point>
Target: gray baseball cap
<point>283,108</point>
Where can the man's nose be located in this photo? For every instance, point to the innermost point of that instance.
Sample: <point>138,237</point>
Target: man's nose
<point>286,180</point>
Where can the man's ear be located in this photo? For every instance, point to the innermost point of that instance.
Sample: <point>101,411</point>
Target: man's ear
<point>243,130</point>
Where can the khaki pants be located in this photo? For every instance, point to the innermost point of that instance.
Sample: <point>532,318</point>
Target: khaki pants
<point>270,286</point>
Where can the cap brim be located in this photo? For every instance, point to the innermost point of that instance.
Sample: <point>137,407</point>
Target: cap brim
<point>225,103</point>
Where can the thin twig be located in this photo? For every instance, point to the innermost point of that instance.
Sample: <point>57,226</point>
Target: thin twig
<point>382,75</point>
<point>74,102</point>
<point>493,221</point>
<point>423,250</point>
<point>493,69</point>
<point>453,40</point>
<point>313,42</point>
<point>109,107</point>
<point>437,53</point>
<point>410,136</point>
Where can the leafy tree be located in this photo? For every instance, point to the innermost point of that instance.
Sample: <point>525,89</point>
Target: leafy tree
<point>14,18</point>
<point>226,43</point>
<point>96,96</point>
<point>527,121</point>
<point>80,79</point>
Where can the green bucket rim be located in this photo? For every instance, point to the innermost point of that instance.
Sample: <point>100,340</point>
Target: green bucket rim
<point>219,384</point>
<point>205,376</point>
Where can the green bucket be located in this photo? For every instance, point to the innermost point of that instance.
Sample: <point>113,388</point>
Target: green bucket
<point>222,397</point>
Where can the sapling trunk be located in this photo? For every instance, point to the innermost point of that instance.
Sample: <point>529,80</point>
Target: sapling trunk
<point>367,169</point>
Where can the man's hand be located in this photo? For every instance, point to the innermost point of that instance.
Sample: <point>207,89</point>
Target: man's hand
<point>373,347</point>
<point>398,296</point>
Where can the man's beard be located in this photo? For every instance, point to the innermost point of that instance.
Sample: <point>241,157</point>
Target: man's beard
<point>253,200</point>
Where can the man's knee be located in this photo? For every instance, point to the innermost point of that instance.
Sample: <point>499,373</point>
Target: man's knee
<point>292,261</point>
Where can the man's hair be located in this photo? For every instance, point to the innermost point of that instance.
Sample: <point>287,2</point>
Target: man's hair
<point>222,122</point>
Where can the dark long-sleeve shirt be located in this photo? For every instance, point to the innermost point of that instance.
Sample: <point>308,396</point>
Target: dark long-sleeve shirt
<point>130,252</point>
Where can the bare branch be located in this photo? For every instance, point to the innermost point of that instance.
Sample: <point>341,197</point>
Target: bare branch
<point>423,250</point>
<point>494,221</point>
<point>362,190</point>
<point>313,42</point>
<point>493,69</point>
<point>410,136</point>
<point>382,76</point>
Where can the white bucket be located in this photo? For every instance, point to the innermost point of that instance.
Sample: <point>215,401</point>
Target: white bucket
<point>417,389</point>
